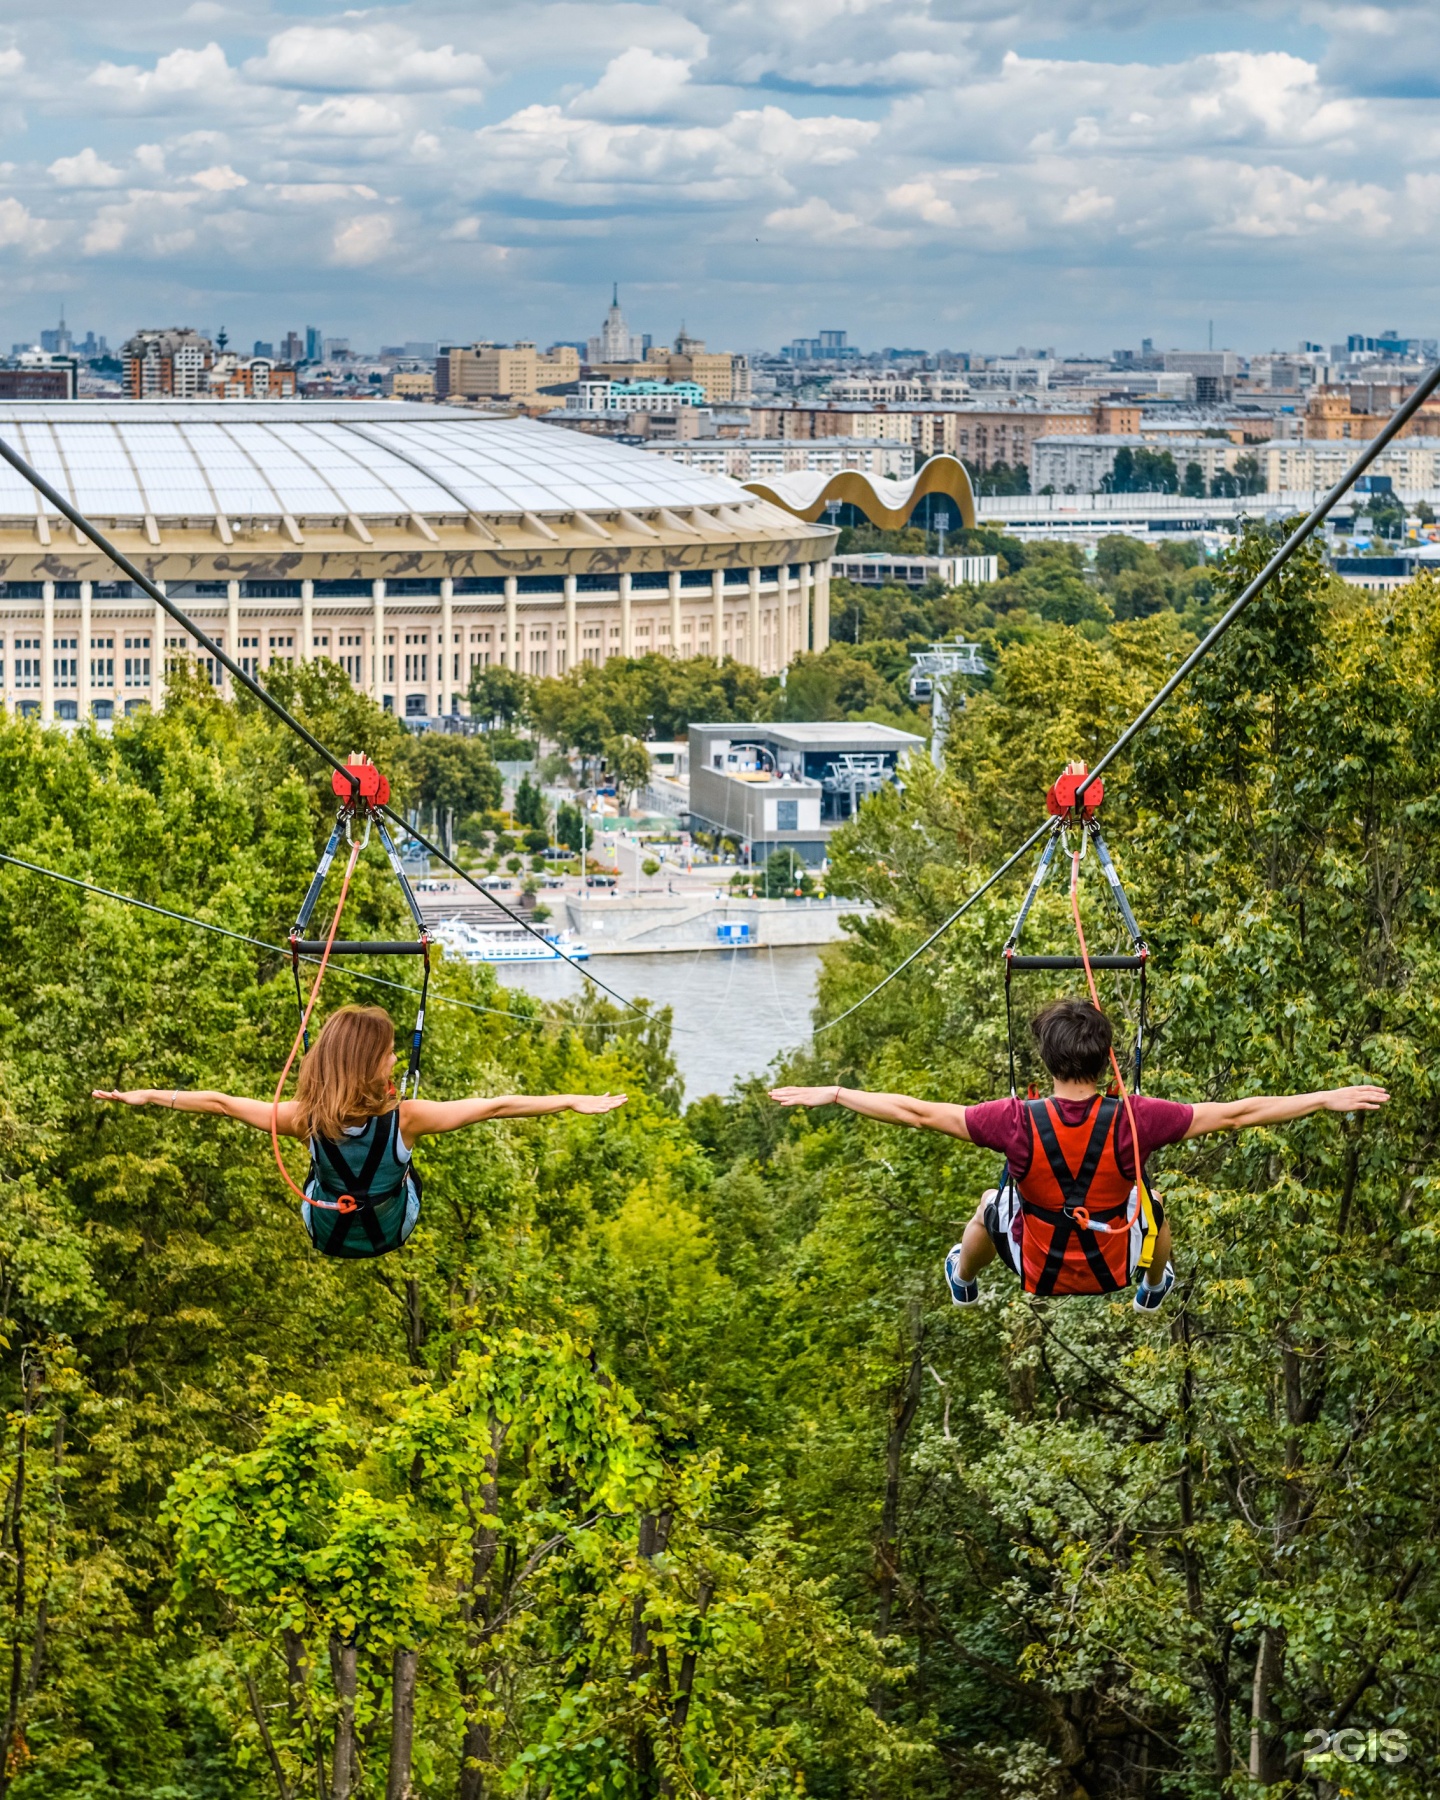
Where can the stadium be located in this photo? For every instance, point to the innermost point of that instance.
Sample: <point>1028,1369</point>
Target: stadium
<point>410,545</point>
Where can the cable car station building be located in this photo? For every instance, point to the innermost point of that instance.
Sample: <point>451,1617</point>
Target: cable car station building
<point>791,786</point>
<point>409,545</point>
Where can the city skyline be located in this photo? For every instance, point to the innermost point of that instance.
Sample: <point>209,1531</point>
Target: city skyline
<point>1068,173</point>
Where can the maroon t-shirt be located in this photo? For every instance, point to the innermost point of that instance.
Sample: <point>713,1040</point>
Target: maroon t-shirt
<point>1001,1125</point>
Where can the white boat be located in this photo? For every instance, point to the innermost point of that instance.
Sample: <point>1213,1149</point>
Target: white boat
<point>468,942</point>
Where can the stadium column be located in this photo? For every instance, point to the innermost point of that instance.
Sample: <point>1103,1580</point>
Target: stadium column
<point>307,622</point>
<point>572,649</point>
<point>674,612</point>
<point>753,629</point>
<point>804,642</point>
<point>232,630</point>
<point>377,636</point>
<point>82,670</point>
<point>627,638</point>
<point>717,607</point>
<point>157,654</point>
<point>512,657</point>
<point>446,670</point>
<point>47,652</point>
<point>782,615</point>
<point>822,606</point>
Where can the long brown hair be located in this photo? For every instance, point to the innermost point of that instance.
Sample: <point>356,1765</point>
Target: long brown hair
<point>345,1079</point>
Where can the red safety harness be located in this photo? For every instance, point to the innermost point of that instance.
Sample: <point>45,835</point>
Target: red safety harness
<point>1077,1206</point>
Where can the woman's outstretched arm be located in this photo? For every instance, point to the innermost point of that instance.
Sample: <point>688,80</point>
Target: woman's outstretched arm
<point>427,1118</point>
<point>229,1106</point>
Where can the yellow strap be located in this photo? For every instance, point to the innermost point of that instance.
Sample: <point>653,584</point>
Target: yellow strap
<point>1152,1230</point>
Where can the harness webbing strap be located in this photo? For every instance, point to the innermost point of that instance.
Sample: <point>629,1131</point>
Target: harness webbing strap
<point>1075,1187</point>
<point>359,1185</point>
<point>1074,1190</point>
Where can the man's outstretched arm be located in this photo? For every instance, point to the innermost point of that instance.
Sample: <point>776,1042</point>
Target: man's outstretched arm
<point>894,1109</point>
<point>1275,1109</point>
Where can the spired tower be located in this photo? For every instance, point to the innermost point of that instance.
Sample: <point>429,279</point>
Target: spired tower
<point>616,343</point>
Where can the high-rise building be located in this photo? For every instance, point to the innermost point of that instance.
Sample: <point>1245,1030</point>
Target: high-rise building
<point>160,364</point>
<point>263,349</point>
<point>58,342</point>
<point>292,348</point>
<point>616,342</point>
<point>337,349</point>
<point>314,344</point>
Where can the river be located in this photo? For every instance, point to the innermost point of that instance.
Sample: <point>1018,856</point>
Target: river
<point>734,1010</point>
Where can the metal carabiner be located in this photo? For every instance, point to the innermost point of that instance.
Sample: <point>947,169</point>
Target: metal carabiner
<point>349,821</point>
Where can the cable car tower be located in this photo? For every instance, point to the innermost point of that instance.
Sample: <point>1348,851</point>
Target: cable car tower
<point>931,674</point>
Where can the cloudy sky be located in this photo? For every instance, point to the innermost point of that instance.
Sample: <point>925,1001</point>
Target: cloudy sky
<point>971,173</point>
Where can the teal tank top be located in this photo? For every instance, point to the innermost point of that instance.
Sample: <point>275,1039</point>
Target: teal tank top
<point>386,1189</point>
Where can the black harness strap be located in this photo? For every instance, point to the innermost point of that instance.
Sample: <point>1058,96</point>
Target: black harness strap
<point>1074,1188</point>
<point>1055,1256</point>
<point>358,1186</point>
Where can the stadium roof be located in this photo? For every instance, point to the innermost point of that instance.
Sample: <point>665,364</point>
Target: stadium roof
<point>139,458</point>
<point>884,501</point>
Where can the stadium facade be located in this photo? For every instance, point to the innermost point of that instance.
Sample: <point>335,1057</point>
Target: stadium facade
<point>409,545</point>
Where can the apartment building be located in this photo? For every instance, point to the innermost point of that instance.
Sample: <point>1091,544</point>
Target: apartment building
<point>485,371</point>
<point>979,435</point>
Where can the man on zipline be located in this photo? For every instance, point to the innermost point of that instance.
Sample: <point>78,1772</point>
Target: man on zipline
<point>1070,1215</point>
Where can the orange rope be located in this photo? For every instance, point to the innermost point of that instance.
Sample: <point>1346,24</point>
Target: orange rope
<point>304,1026</point>
<point>1095,1001</point>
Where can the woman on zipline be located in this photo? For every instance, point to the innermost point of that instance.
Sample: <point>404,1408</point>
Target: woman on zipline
<point>360,1134</point>
<point>1066,1217</point>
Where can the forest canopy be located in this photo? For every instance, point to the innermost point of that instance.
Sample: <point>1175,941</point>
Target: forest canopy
<point>658,1463</point>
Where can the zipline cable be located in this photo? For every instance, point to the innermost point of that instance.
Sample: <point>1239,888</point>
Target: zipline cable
<point>240,937</point>
<point>959,912</point>
<point>266,699</point>
<point>1302,531</point>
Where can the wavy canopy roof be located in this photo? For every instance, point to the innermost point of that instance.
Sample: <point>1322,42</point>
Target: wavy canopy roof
<point>884,501</point>
<point>276,458</point>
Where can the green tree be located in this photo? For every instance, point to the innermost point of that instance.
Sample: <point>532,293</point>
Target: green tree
<point>453,777</point>
<point>569,826</point>
<point>499,696</point>
<point>627,762</point>
<point>529,808</point>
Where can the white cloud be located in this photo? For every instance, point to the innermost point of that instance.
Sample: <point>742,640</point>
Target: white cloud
<point>376,57</point>
<point>542,152</point>
<point>184,75</point>
<point>351,116</point>
<point>361,240</point>
<point>149,222</point>
<point>219,180</point>
<point>320,193</point>
<point>84,170</point>
<point>816,221</point>
<point>20,229</point>
<point>12,61</point>
<point>1086,205</point>
<point>637,84</point>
